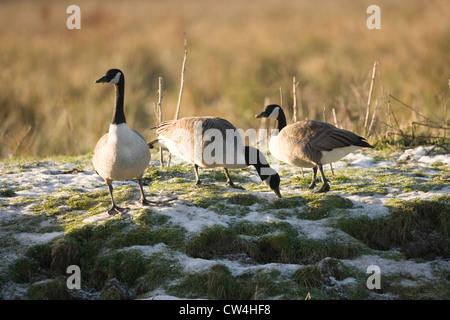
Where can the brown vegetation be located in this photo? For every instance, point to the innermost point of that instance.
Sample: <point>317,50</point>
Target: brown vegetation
<point>240,54</point>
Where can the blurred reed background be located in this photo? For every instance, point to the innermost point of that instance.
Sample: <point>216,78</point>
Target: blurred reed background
<point>241,55</point>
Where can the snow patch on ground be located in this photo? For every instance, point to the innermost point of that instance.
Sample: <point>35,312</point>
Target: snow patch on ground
<point>417,270</point>
<point>421,156</point>
<point>37,237</point>
<point>47,179</point>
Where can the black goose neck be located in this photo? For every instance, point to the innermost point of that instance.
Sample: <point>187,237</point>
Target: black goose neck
<point>281,119</point>
<point>253,158</point>
<point>119,115</point>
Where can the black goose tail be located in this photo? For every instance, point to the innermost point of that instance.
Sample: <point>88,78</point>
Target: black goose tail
<point>363,143</point>
<point>154,143</point>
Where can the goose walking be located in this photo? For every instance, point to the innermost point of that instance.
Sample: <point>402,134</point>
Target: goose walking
<point>210,142</point>
<point>122,153</point>
<point>310,143</point>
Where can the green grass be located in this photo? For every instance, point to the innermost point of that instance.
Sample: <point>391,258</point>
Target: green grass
<point>49,289</point>
<point>148,251</point>
<point>215,242</point>
<point>418,228</point>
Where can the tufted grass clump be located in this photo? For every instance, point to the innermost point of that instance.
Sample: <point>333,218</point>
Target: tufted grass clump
<point>216,283</point>
<point>49,289</point>
<point>216,241</point>
<point>285,248</point>
<point>243,199</point>
<point>420,228</point>
<point>322,206</point>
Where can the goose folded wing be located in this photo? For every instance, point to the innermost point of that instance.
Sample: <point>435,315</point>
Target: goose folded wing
<point>164,126</point>
<point>333,139</point>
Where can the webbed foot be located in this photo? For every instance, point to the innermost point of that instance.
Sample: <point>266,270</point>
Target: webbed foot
<point>117,210</point>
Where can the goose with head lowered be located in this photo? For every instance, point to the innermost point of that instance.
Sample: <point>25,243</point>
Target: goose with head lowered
<point>122,153</point>
<point>211,142</point>
<point>310,143</point>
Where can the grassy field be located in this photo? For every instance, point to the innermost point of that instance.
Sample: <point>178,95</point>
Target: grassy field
<point>386,208</point>
<point>240,53</point>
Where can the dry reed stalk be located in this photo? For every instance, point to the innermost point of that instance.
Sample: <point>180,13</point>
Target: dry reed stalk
<point>255,296</point>
<point>294,97</point>
<point>263,125</point>
<point>294,107</point>
<point>183,70</point>
<point>281,97</point>
<point>334,117</point>
<point>412,137</point>
<point>372,122</point>
<point>260,141</point>
<point>410,108</point>
<point>374,70</point>
<point>430,125</point>
<point>160,95</point>
<point>180,95</point>
<point>395,119</point>
<point>336,125</point>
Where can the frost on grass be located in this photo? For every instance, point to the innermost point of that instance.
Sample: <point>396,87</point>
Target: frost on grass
<point>385,208</point>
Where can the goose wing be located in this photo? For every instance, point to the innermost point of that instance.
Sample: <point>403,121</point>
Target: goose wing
<point>329,137</point>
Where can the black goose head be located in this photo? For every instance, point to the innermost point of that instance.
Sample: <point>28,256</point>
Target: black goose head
<point>273,182</point>
<point>271,111</point>
<point>114,76</point>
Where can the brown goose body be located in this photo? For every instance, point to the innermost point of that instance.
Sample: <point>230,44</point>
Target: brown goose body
<point>310,143</point>
<point>211,142</point>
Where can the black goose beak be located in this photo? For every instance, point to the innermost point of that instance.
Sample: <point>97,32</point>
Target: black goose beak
<point>101,80</point>
<point>262,115</point>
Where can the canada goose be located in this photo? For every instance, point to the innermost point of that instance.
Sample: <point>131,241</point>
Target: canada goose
<point>200,140</point>
<point>122,153</point>
<point>310,143</point>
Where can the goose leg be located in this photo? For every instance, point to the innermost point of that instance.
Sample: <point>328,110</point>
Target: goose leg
<point>198,182</point>
<point>114,209</point>
<point>197,177</point>
<point>313,181</point>
<point>142,199</point>
<point>230,182</point>
<point>325,187</point>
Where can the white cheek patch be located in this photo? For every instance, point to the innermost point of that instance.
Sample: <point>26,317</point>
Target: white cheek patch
<point>116,79</point>
<point>274,113</point>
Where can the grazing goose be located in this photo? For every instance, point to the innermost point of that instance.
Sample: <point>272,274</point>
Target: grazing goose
<point>210,142</point>
<point>122,153</point>
<point>310,143</point>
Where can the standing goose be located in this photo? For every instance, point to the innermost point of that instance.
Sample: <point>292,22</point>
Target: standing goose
<point>210,142</point>
<point>310,143</point>
<point>122,153</point>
